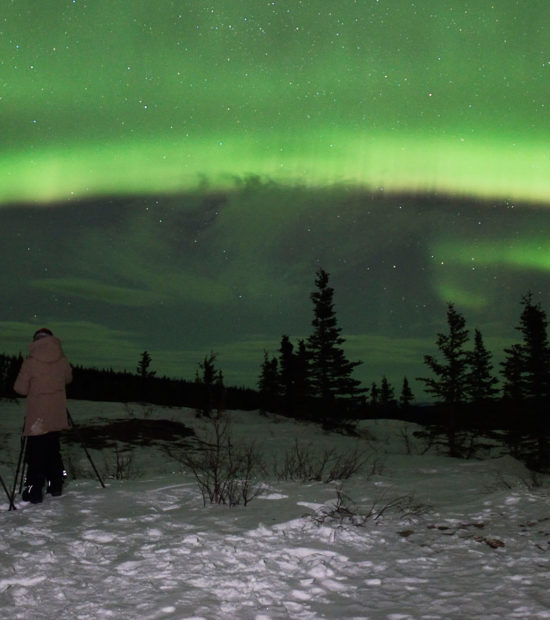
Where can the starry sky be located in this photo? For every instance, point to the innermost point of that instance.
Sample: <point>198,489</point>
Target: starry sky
<point>171,178</point>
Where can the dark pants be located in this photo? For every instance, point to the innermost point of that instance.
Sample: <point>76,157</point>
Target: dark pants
<point>43,458</point>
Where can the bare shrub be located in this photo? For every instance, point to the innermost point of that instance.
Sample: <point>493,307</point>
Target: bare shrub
<point>410,439</point>
<point>121,467</point>
<point>302,462</point>
<point>428,438</point>
<point>346,511</point>
<point>224,471</point>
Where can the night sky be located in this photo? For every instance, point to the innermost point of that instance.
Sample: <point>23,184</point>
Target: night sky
<point>172,175</point>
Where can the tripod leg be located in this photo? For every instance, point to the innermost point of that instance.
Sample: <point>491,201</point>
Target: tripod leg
<point>10,498</point>
<point>22,478</point>
<point>19,460</point>
<point>71,421</point>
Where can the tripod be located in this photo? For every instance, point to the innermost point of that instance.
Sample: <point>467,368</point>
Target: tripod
<point>20,462</point>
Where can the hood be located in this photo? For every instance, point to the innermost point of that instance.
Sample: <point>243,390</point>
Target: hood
<point>47,349</point>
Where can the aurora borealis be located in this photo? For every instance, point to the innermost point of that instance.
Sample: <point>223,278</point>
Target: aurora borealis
<point>171,177</point>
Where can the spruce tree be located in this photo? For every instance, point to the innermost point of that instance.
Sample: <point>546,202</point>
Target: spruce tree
<point>302,383</point>
<point>268,384</point>
<point>535,349</point>
<point>210,383</point>
<point>449,386</point>
<point>513,389</point>
<point>287,375</point>
<point>513,393</point>
<point>526,367</point>
<point>406,397</point>
<point>387,398</point>
<point>450,381</point>
<point>330,369</point>
<point>144,375</point>
<point>374,394</point>
<point>143,366</point>
<point>480,382</point>
<point>534,358</point>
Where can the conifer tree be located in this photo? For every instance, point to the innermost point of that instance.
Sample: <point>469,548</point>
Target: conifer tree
<point>533,356</point>
<point>513,393</point>
<point>535,350</point>
<point>268,384</point>
<point>211,388</point>
<point>302,383</point>
<point>143,366</point>
<point>480,382</point>
<point>374,394</point>
<point>450,381</point>
<point>513,389</point>
<point>287,377</point>
<point>330,369</point>
<point>144,375</point>
<point>387,398</point>
<point>406,397</point>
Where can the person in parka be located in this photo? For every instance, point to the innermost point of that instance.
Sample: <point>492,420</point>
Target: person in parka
<point>42,379</point>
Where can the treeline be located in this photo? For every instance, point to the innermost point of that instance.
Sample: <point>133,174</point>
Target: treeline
<point>472,401</point>
<point>9,368</point>
<point>123,386</point>
<point>313,379</point>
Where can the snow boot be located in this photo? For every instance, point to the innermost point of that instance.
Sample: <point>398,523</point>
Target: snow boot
<point>55,485</point>
<point>32,493</point>
<point>54,488</point>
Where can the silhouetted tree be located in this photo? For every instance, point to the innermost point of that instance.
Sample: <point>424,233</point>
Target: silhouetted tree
<point>330,369</point>
<point>406,397</point>
<point>513,388</point>
<point>387,397</point>
<point>450,381</point>
<point>268,384</point>
<point>210,383</point>
<point>449,384</point>
<point>527,369</point>
<point>144,375</point>
<point>287,378</point>
<point>143,366</point>
<point>302,382</point>
<point>480,382</point>
<point>374,394</point>
<point>535,351</point>
<point>513,393</point>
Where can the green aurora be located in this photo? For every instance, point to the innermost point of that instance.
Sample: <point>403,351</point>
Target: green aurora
<point>172,176</point>
<point>112,97</point>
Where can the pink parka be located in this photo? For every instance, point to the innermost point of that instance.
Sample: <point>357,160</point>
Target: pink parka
<point>42,380</point>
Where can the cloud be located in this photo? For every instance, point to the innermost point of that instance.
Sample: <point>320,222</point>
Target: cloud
<point>16,335</point>
<point>84,342</point>
<point>97,291</point>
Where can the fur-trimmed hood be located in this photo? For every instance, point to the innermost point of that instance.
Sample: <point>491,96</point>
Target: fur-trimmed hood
<point>47,349</point>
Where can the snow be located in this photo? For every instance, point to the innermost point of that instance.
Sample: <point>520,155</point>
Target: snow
<point>464,538</point>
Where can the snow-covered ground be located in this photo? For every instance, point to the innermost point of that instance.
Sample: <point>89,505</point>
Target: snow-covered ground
<point>453,538</point>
